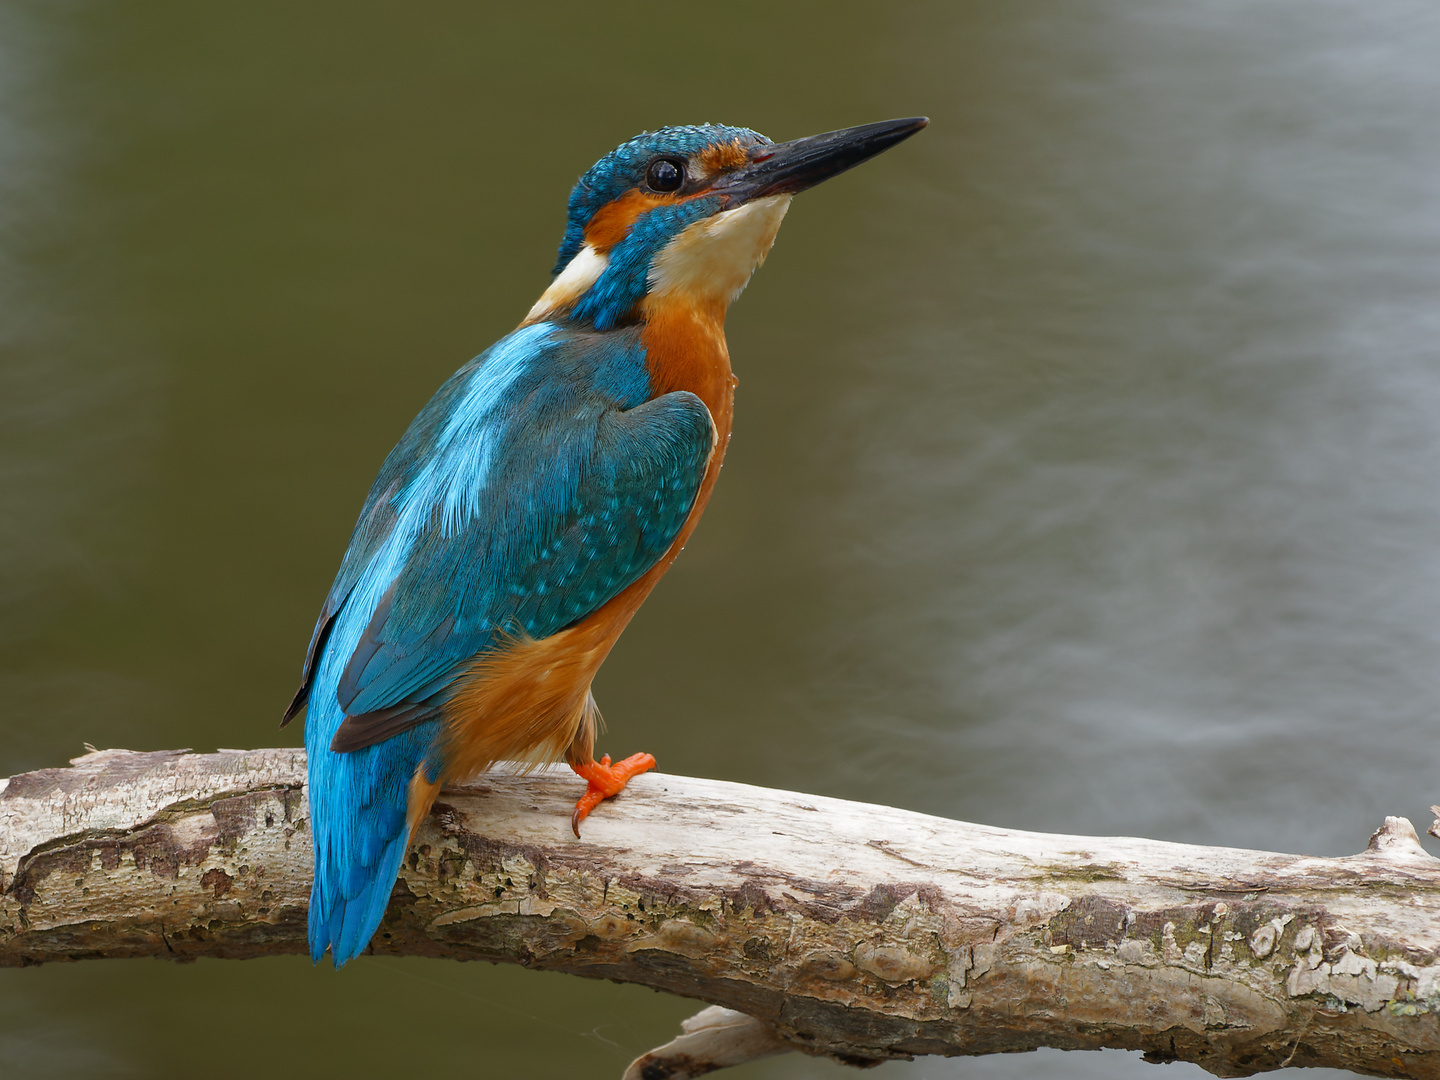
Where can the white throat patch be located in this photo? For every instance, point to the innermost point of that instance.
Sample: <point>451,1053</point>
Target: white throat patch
<point>579,274</point>
<point>714,258</point>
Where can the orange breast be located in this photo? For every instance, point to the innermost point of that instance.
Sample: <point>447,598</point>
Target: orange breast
<point>685,350</point>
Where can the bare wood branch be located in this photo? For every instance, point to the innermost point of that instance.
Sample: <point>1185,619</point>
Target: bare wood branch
<point>860,932</point>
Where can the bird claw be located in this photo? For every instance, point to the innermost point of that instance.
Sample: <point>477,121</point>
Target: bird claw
<point>605,780</point>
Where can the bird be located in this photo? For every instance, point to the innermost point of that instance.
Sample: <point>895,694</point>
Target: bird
<point>533,504</point>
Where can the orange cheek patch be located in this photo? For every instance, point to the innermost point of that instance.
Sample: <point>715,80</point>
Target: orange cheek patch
<point>722,157</point>
<point>613,221</point>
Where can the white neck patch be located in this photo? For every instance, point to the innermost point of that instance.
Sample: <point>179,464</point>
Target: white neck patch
<point>579,274</point>
<point>714,258</point>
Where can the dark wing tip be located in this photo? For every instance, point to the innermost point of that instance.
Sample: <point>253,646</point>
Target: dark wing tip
<point>297,703</point>
<point>367,729</point>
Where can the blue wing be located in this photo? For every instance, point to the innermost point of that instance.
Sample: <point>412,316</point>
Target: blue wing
<point>537,484</point>
<point>572,521</point>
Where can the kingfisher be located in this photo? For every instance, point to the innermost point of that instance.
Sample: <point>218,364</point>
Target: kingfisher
<point>530,508</point>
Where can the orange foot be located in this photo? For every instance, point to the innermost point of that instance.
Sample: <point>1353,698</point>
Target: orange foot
<point>605,780</point>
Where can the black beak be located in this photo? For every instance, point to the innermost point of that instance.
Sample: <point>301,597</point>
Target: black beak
<point>785,168</point>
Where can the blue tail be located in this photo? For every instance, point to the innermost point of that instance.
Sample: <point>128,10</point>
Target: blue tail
<point>358,805</point>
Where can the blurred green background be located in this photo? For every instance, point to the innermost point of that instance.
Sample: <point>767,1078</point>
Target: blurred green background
<point>1083,479</point>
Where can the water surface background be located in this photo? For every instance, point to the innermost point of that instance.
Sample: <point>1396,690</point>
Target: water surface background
<point>1084,475</point>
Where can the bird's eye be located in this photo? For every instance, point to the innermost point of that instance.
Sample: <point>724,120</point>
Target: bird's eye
<point>665,174</point>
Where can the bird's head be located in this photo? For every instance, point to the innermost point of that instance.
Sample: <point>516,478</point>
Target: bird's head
<point>684,215</point>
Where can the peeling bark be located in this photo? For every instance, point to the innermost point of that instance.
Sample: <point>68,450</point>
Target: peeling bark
<point>858,932</point>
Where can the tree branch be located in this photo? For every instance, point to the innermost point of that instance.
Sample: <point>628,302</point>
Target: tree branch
<point>859,932</point>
